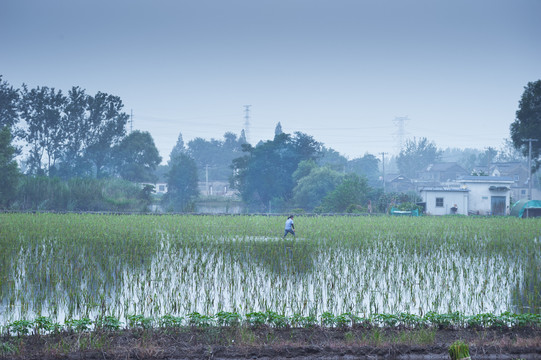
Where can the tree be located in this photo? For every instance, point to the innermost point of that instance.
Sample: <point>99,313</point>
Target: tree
<point>508,152</point>
<point>353,191</point>
<point>179,147</point>
<point>181,183</point>
<point>416,156</point>
<point>41,109</point>
<point>9,98</point>
<point>242,137</point>
<point>278,129</point>
<point>367,166</point>
<point>8,168</point>
<point>487,157</point>
<point>75,123</point>
<point>311,189</point>
<point>527,124</point>
<point>303,169</point>
<point>106,127</point>
<point>136,157</point>
<point>214,157</point>
<point>332,158</point>
<point>265,173</point>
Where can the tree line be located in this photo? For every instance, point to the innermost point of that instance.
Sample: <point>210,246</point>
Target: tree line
<point>75,141</point>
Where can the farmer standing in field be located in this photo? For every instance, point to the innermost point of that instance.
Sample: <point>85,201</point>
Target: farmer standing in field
<point>290,227</point>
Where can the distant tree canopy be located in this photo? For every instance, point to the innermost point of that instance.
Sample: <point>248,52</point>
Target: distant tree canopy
<point>416,156</point>
<point>136,157</point>
<point>8,168</point>
<point>181,183</point>
<point>266,171</point>
<point>214,157</point>
<point>9,98</point>
<point>332,159</point>
<point>366,166</point>
<point>66,135</point>
<point>527,124</point>
<point>314,186</point>
<point>353,191</point>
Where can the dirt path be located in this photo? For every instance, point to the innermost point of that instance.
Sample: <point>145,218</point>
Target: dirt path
<point>270,343</point>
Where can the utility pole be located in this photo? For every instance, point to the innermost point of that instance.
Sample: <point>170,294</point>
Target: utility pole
<point>383,170</point>
<point>207,178</point>
<point>529,166</point>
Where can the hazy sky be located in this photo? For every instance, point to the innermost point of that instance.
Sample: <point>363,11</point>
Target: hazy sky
<point>338,70</point>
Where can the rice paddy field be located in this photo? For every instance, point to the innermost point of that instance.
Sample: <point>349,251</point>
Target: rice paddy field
<point>70,266</point>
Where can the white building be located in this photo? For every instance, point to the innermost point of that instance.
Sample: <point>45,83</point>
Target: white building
<point>489,195</point>
<point>481,195</point>
<point>445,201</point>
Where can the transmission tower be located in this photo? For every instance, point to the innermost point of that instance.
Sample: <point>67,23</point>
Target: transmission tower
<point>401,132</point>
<point>247,122</point>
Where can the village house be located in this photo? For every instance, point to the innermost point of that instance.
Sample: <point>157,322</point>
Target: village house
<point>471,195</point>
<point>442,172</point>
<point>518,172</point>
<point>445,201</point>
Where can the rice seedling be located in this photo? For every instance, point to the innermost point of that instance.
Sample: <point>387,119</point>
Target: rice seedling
<point>395,271</point>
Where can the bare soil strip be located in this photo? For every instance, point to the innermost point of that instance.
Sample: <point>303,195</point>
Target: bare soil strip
<point>271,343</point>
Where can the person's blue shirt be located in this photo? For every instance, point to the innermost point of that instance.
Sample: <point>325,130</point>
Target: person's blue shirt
<point>289,224</point>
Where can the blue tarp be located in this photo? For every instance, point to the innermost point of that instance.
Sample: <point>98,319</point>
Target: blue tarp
<point>526,208</point>
<point>395,211</point>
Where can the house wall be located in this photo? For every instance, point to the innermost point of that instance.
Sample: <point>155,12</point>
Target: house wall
<point>460,198</point>
<point>480,197</point>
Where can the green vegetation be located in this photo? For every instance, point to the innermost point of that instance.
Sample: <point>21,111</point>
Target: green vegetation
<point>459,351</point>
<point>339,271</point>
<point>425,325</point>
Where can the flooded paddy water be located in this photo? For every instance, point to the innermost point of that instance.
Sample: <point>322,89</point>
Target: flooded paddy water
<point>82,265</point>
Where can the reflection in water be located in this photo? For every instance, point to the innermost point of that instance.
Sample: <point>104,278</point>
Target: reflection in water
<point>258,274</point>
<point>527,292</point>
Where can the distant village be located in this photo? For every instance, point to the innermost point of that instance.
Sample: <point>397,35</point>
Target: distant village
<point>445,188</point>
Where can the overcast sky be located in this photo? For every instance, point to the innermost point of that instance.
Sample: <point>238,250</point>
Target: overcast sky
<point>341,71</point>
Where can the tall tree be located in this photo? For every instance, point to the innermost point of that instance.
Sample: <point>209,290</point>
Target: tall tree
<point>107,126</point>
<point>77,126</point>
<point>9,98</point>
<point>179,147</point>
<point>136,157</point>
<point>41,109</point>
<point>278,129</point>
<point>416,156</point>
<point>527,124</point>
<point>8,168</point>
<point>266,171</point>
<point>182,187</point>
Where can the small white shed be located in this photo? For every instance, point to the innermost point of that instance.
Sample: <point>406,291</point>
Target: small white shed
<point>445,201</point>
